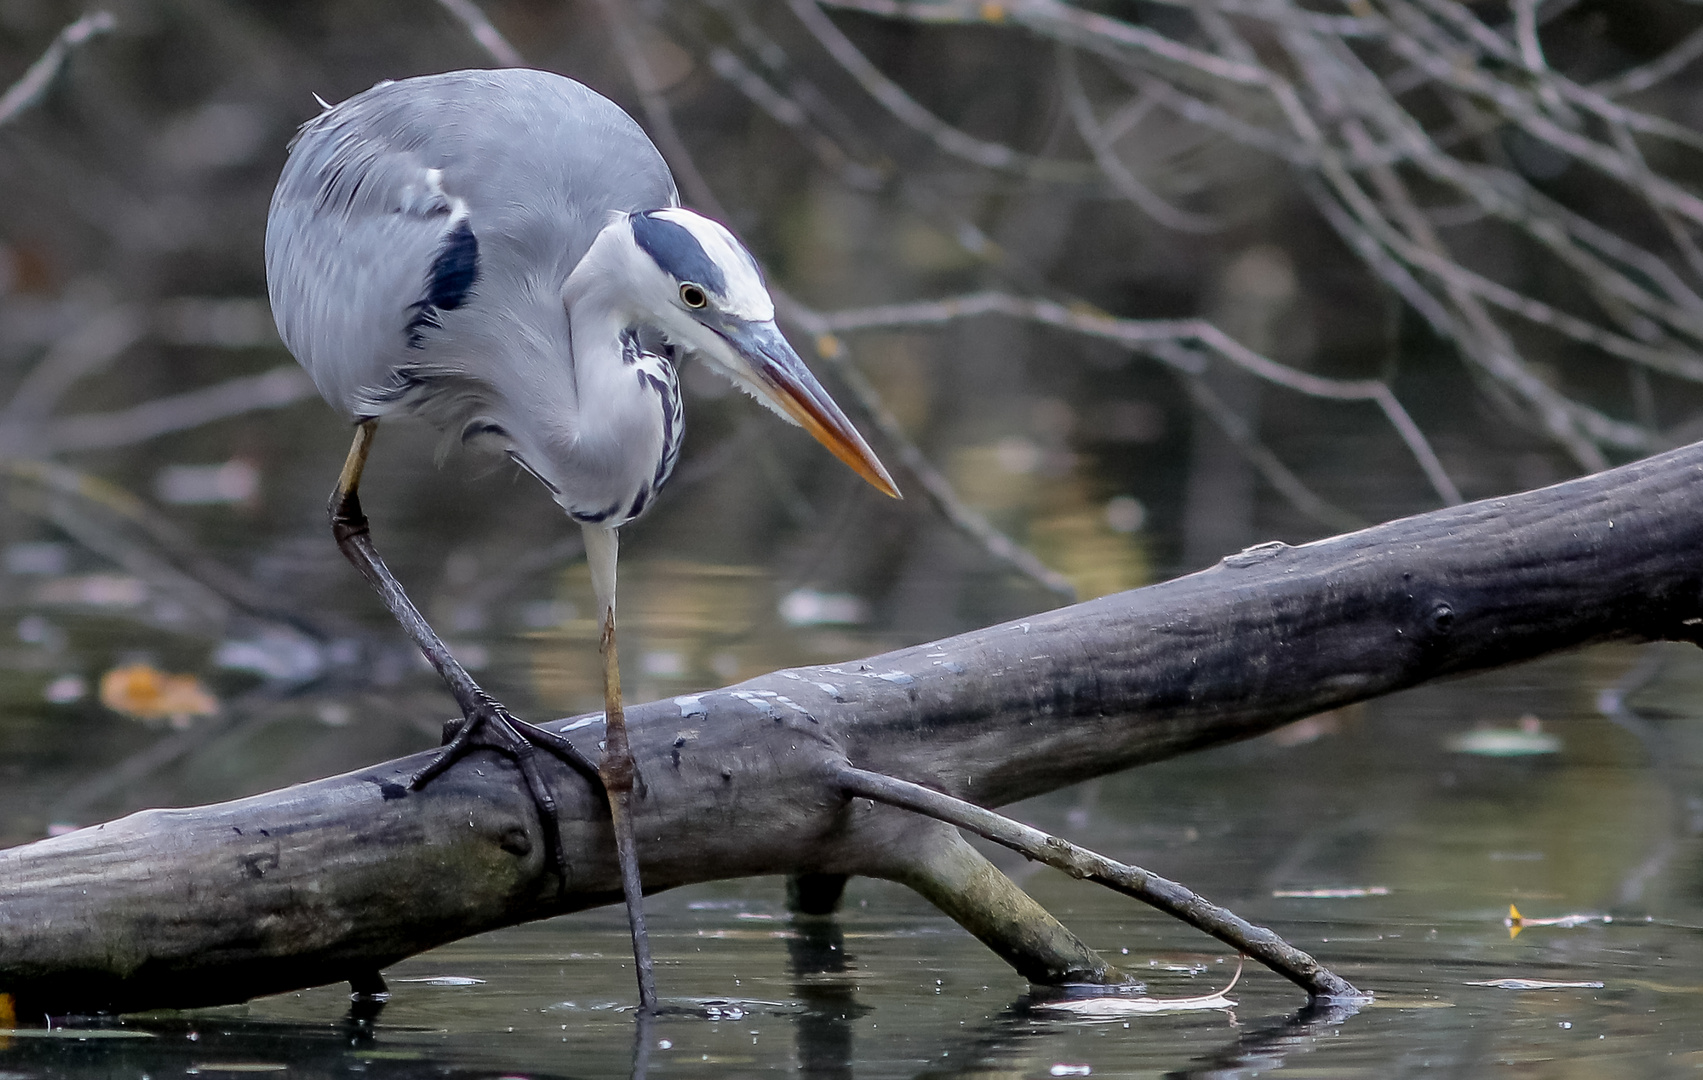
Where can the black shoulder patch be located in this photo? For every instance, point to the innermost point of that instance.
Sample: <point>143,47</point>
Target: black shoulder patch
<point>678,252</point>
<point>450,279</point>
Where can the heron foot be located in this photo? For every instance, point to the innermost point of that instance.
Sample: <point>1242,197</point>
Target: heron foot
<point>486,725</point>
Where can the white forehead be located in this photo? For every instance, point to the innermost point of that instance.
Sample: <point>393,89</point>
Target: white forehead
<point>743,294</point>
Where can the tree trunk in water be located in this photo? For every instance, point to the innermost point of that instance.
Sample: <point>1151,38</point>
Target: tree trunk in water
<point>338,878</point>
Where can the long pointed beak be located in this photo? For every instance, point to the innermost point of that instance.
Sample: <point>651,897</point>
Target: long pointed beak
<point>782,377</point>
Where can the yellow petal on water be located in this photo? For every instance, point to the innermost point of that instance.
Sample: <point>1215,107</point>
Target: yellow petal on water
<point>144,692</point>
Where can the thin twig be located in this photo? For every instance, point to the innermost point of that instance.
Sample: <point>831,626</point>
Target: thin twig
<point>274,389</point>
<point>908,111</point>
<point>946,500</point>
<point>789,114</point>
<point>93,345</point>
<point>172,545</point>
<point>1145,335</point>
<point>1235,427</point>
<point>33,85</point>
<point>659,118</point>
<point>1101,144</point>
<point>1661,68</point>
<point>1173,899</point>
<point>489,37</point>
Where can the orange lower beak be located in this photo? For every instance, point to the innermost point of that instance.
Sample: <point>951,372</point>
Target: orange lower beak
<point>784,380</point>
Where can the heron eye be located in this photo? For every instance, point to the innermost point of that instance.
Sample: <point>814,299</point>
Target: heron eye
<point>693,296</point>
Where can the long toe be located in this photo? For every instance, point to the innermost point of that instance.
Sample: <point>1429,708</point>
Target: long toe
<point>558,746</point>
<point>489,726</point>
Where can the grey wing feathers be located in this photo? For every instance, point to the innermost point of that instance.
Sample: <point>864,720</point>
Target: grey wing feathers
<point>417,221</point>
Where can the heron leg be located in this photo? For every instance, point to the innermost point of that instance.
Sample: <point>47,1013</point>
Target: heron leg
<point>485,725</point>
<point>617,767</point>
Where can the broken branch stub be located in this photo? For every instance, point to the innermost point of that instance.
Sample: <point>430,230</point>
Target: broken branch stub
<point>336,879</point>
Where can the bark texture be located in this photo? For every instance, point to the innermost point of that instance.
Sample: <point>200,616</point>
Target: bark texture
<point>338,878</point>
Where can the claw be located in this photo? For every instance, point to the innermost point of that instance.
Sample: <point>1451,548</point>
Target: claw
<point>489,726</point>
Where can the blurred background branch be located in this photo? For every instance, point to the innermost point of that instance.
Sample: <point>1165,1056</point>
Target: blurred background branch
<point>34,83</point>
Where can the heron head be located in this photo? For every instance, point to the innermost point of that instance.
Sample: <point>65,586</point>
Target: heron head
<point>703,290</point>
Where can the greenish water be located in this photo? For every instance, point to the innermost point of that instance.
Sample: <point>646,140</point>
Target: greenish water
<point>1371,800</point>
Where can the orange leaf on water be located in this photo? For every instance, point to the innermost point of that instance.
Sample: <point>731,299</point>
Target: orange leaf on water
<point>144,692</point>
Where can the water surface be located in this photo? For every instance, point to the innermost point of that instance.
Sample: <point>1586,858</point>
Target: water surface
<point>1431,845</point>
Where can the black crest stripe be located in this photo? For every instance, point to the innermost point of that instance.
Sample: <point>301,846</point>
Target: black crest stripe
<point>678,252</point>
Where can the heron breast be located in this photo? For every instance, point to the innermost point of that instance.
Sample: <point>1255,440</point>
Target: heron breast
<point>649,471</point>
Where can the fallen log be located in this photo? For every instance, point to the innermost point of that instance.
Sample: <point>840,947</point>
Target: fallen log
<point>338,878</point>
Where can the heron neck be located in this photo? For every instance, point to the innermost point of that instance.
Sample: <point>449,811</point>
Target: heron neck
<point>601,321</point>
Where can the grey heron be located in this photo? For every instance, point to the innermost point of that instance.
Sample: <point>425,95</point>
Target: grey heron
<point>504,254</point>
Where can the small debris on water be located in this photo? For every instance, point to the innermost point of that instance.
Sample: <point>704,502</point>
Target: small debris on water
<point>443,980</point>
<point>1307,730</point>
<point>1063,1069</point>
<point>143,692</point>
<point>1108,1009</point>
<point>1515,922</point>
<point>94,590</point>
<point>663,663</point>
<point>1345,892</point>
<point>1125,514</point>
<point>1534,984</point>
<point>1527,739</point>
<point>44,558</point>
<point>276,655</point>
<point>66,690</point>
<point>233,481</point>
<point>808,607</point>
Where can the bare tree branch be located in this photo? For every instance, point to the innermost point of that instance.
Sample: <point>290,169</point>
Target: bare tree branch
<point>1173,899</point>
<point>489,37</point>
<point>33,85</point>
<point>1147,336</point>
<point>274,389</point>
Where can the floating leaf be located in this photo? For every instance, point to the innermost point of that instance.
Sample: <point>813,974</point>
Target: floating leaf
<point>144,692</point>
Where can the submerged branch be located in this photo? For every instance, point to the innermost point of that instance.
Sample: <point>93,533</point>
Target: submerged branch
<point>1173,899</point>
